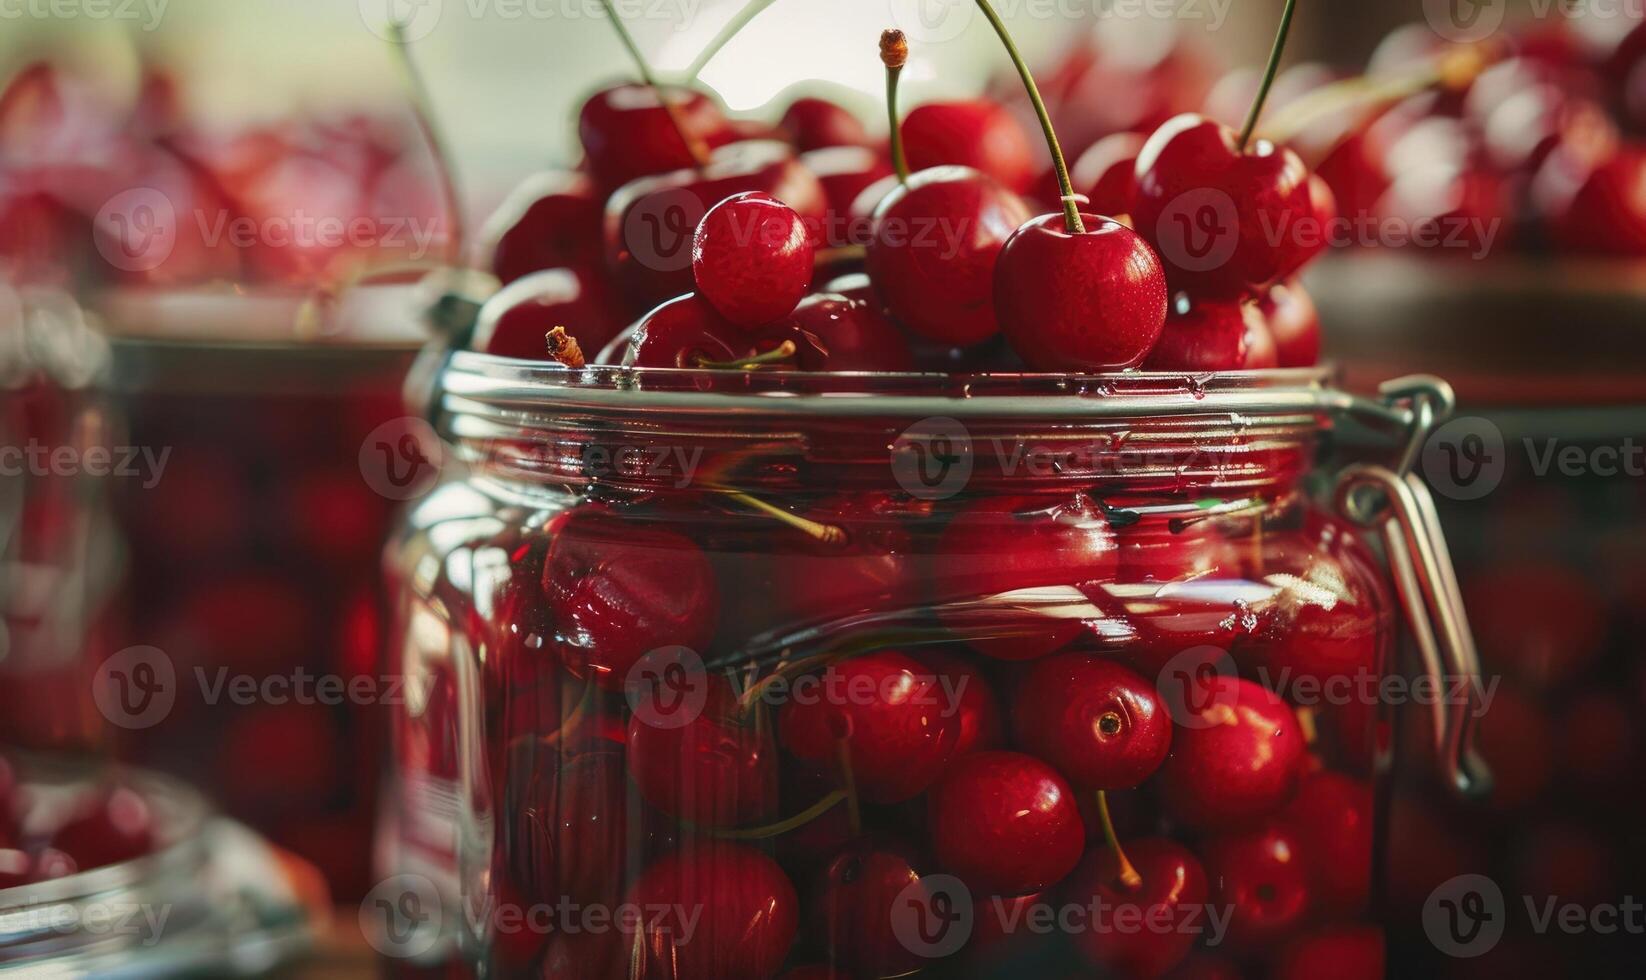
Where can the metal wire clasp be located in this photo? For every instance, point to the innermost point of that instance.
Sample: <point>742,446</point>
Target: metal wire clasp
<point>1398,503</point>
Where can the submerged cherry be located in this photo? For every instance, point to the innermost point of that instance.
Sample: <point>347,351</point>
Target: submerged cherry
<point>752,259</point>
<point>1168,893</point>
<point>854,909</point>
<point>713,910</point>
<point>1344,952</point>
<point>1261,876</point>
<point>1332,818</point>
<point>1005,823</point>
<point>716,770</point>
<point>569,826</point>
<point>1100,723</point>
<point>1236,755</point>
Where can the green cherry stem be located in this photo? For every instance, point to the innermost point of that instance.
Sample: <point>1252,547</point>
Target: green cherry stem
<point>1071,212</point>
<point>1269,74</point>
<point>423,111</point>
<point>894,54</point>
<point>694,145</point>
<point>1127,875</point>
<point>731,30</point>
<point>782,827</point>
<point>854,807</point>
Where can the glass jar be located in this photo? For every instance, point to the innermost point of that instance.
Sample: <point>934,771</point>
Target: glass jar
<point>715,675</point>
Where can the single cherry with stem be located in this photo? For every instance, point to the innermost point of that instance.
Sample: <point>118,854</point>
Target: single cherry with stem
<point>752,259</point>
<point>1155,879</point>
<point>1069,297</point>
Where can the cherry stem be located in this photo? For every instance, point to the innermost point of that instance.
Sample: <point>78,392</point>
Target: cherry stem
<point>848,776</point>
<point>782,827</point>
<point>1269,74</point>
<point>564,348</point>
<point>894,54</point>
<point>423,111</point>
<point>1071,212</point>
<point>823,533</point>
<point>1454,69</point>
<point>732,29</point>
<point>1128,876</point>
<point>574,719</point>
<point>694,145</point>
<point>776,355</point>
<point>839,253</point>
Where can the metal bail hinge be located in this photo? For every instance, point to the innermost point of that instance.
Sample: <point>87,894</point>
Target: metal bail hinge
<point>1398,503</point>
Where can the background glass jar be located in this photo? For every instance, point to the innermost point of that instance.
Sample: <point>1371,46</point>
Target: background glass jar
<point>725,675</point>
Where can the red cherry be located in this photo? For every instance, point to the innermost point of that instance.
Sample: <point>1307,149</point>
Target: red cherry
<point>553,219</point>
<point>718,770</point>
<point>1607,214</point>
<point>1172,893</point>
<point>1099,723</point>
<point>569,826</point>
<point>850,323</point>
<point>975,133</point>
<point>117,827</point>
<point>1156,551</point>
<point>1107,174</point>
<point>744,907</point>
<point>1224,220</point>
<point>1005,823</point>
<point>1354,952</point>
<point>688,333</point>
<point>627,133</point>
<point>1261,876</point>
<point>1332,819</point>
<point>891,712</point>
<point>982,724</point>
<point>846,172</point>
<point>651,222</point>
<point>752,259</point>
<point>1237,755</point>
<point>1079,301</point>
<point>1213,335</point>
<point>515,321</point>
<point>1294,324</point>
<point>1625,73</point>
<point>620,589</point>
<point>1061,546</point>
<point>812,124</point>
<point>870,571</point>
<point>932,258</point>
<point>854,908</point>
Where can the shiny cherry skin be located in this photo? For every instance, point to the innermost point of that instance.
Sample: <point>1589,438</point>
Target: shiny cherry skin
<point>117,827</point>
<point>517,319</point>
<point>1203,335</point>
<point>746,909</point>
<point>873,570</point>
<point>854,907</point>
<point>1074,302</point>
<point>687,331</point>
<point>1099,723</point>
<point>1005,823</point>
<point>1155,551</point>
<point>853,327</point>
<point>619,589</point>
<point>932,257</point>
<point>977,133</point>
<point>1294,324</point>
<point>845,173</point>
<point>651,222</point>
<point>889,709</point>
<point>1345,952</point>
<point>1001,545</point>
<point>982,723</point>
<point>627,133</point>
<point>1249,197</point>
<point>1607,215</point>
<point>569,833</point>
<point>553,219</point>
<point>717,770</point>
<point>752,259</point>
<point>1107,174</point>
<point>1174,888</point>
<point>1332,818</point>
<point>812,123</point>
<point>1261,875</point>
<point>1237,755</point>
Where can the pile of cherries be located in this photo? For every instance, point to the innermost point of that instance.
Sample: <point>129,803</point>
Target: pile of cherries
<point>812,245</point>
<point>106,825</point>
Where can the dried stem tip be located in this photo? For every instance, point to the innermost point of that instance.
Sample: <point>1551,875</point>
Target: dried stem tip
<point>894,49</point>
<point>563,348</point>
